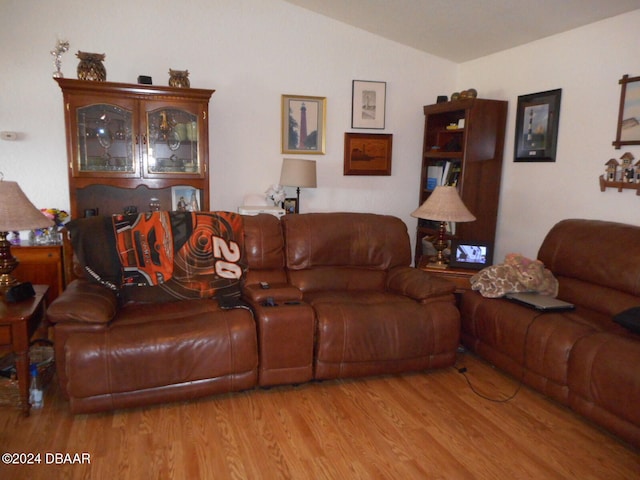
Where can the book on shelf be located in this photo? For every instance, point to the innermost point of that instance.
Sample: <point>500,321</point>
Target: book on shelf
<point>454,174</point>
<point>434,176</point>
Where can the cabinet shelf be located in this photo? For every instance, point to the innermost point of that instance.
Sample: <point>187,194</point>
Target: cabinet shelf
<point>444,155</point>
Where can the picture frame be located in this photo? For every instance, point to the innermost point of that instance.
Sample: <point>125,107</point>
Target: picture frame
<point>368,104</point>
<point>367,153</point>
<point>537,120</point>
<point>472,255</point>
<point>290,205</point>
<point>182,199</point>
<point>628,131</point>
<point>303,124</point>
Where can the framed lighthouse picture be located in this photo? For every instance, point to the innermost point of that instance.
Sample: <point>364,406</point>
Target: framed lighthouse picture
<point>303,124</point>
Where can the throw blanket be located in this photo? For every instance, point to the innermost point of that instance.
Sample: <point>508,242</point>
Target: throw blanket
<point>170,255</point>
<point>516,274</point>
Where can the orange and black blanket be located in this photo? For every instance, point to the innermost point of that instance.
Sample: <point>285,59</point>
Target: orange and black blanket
<point>171,255</point>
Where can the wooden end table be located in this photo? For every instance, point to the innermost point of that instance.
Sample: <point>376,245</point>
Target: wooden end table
<point>460,276</point>
<point>18,322</point>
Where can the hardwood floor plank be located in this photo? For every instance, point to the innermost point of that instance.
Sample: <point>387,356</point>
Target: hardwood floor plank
<point>413,426</point>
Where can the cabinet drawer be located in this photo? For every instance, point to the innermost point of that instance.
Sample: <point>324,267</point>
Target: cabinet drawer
<point>38,255</point>
<point>5,335</point>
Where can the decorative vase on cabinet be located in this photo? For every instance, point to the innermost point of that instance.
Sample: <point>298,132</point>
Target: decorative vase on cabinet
<point>129,143</point>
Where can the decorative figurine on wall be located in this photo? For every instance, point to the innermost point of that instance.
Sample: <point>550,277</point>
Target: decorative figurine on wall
<point>621,175</point>
<point>612,170</point>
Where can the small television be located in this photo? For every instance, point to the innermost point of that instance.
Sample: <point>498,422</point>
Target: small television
<point>470,254</point>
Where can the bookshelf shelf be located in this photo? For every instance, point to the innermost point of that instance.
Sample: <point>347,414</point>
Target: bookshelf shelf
<point>473,155</point>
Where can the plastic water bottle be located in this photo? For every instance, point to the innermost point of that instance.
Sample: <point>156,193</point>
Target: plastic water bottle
<point>35,390</point>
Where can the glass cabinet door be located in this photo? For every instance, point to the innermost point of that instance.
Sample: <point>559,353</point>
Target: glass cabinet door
<point>105,140</point>
<point>173,146</point>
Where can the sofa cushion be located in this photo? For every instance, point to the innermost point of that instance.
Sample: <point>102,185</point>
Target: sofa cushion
<point>264,249</point>
<point>603,379</point>
<point>371,333</point>
<point>345,239</point>
<point>180,348</point>
<point>595,251</point>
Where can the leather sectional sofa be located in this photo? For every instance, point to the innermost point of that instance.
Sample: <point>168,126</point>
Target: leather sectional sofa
<point>580,358</point>
<point>342,301</point>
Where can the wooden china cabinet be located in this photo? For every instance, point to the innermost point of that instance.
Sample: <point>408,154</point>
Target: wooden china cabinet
<point>134,147</point>
<point>463,146</point>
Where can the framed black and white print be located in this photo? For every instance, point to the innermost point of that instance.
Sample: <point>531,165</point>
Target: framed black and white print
<point>368,104</point>
<point>537,126</point>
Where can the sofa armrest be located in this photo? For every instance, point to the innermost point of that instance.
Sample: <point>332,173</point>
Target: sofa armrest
<point>280,292</point>
<point>84,301</point>
<point>418,284</point>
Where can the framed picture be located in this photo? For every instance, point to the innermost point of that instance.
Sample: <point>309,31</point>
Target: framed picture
<point>628,132</point>
<point>185,199</point>
<point>303,124</point>
<point>368,104</point>
<point>367,153</point>
<point>471,255</point>
<point>290,205</point>
<point>537,126</point>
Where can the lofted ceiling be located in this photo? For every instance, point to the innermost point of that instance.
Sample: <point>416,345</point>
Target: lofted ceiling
<point>462,30</point>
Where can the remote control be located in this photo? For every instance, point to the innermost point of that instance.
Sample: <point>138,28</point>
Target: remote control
<point>264,285</point>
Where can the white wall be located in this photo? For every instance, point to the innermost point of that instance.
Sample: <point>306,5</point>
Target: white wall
<point>586,64</point>
<point>251,52</point>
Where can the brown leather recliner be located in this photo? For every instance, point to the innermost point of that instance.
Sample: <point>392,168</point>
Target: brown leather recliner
<point>375,314</point>
<point>342,301</point>
<point>581,358</point>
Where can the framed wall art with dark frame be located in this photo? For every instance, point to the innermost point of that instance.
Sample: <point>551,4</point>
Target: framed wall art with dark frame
<point>628,132</point>
<point>367,153</point>
<point>303,124</point>
<point>368,102</point>
<point>537,120</point>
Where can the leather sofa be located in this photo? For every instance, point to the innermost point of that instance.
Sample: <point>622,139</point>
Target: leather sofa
<point>342,301</point>
<point>580,358</point>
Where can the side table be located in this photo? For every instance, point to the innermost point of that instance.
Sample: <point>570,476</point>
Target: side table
<point>18,322</point>
<point>460,276</point>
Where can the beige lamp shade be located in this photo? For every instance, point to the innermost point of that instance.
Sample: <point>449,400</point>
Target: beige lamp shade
<point>298,173</point>
<point>444,205</point>
<point>17,212</point>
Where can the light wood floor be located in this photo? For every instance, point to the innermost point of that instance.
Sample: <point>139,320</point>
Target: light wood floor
<point>415,426</point>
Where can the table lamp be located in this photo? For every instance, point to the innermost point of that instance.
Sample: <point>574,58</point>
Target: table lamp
<point>443,205</point>
<point>298,173</point>
<point>16,213</point>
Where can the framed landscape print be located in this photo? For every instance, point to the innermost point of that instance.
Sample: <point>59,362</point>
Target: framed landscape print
<point>367,153</point>
<point>303,124</point>
<point>537,126</point>
<point>628,132</point>
<point>368,103</point>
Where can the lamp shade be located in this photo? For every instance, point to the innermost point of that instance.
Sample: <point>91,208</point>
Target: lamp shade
<point>444,205</point>
<point>298,173</point>
<point>17,212</point>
